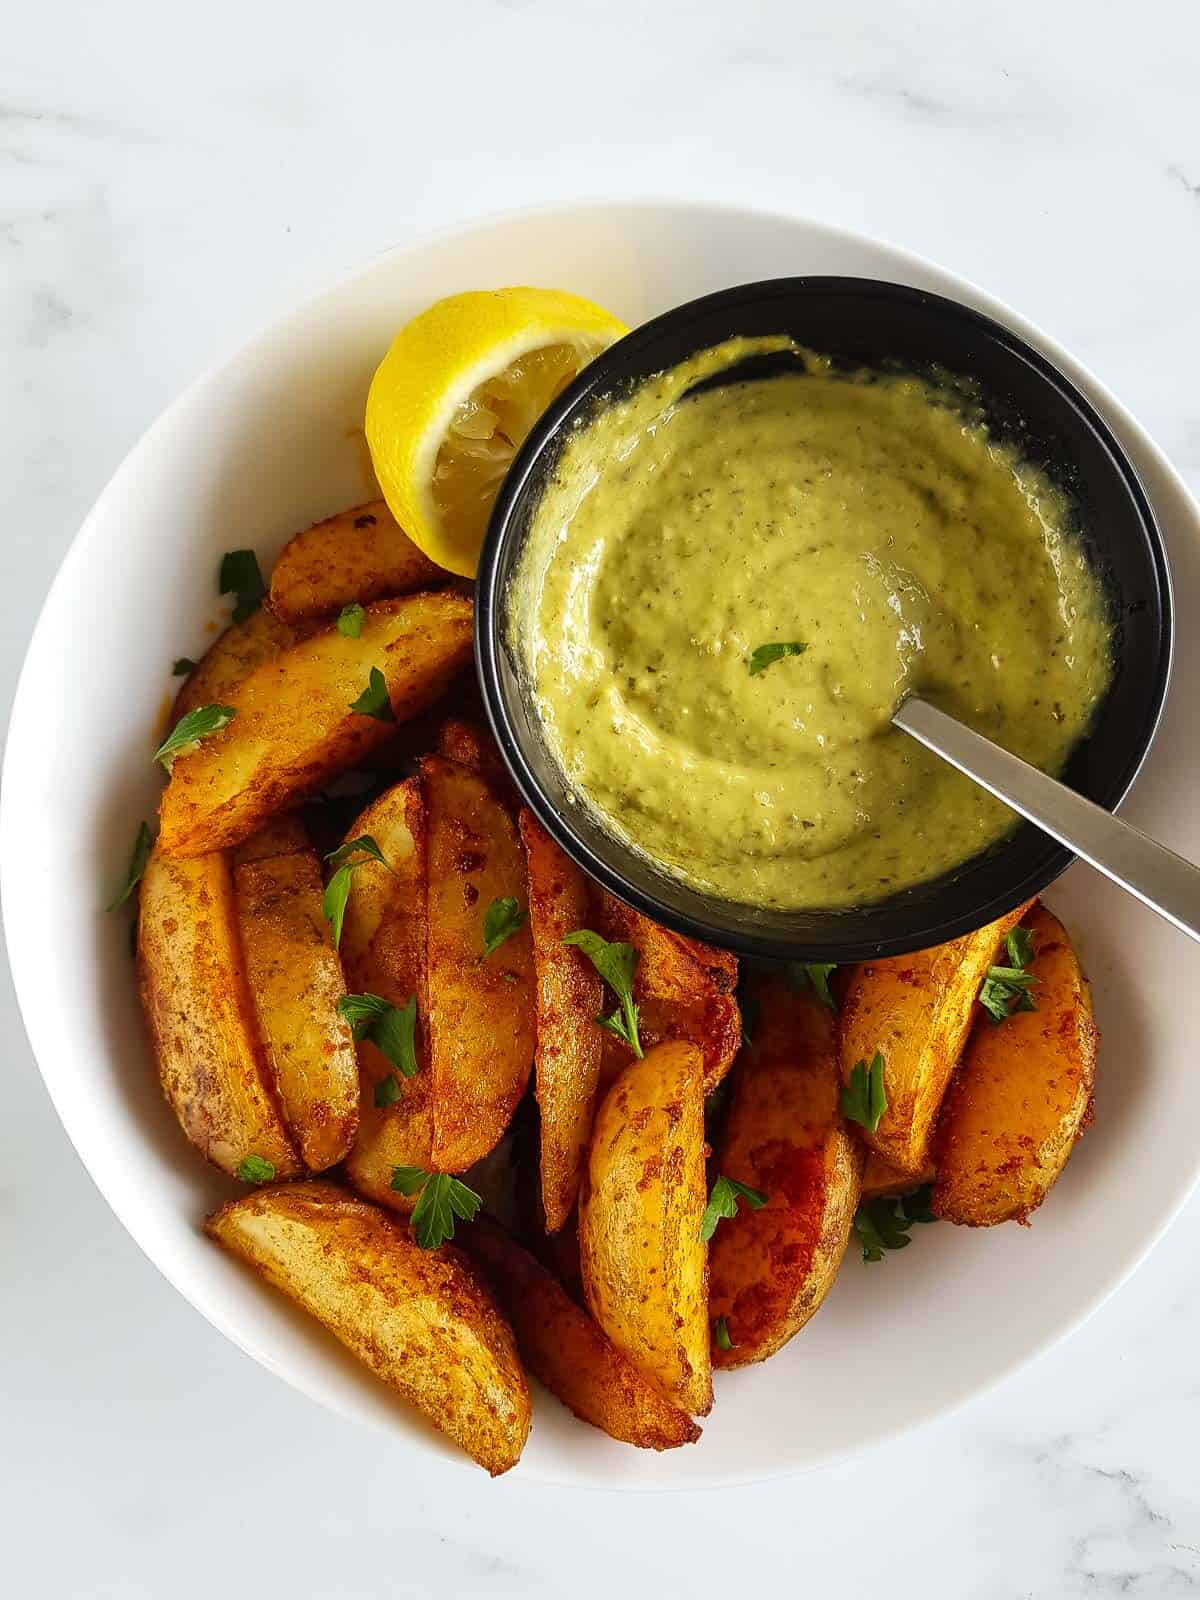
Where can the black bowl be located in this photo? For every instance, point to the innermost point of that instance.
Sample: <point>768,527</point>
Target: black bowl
<point>1026,400</point>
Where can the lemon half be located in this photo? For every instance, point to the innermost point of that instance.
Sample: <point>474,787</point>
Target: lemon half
<point>455,396</point>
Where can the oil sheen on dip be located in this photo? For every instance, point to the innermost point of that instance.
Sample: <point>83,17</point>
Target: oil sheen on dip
<point>870,518</point>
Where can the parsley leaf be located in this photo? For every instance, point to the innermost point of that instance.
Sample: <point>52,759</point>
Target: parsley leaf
<point>240,576</point>
<point>882,1224</point>
<point>256,1169</point>
<point>767,654</point>
<point>350,620</point>
<point>721,1334</point>
<point>337,890</point>
<point>190,729</point>
<point>137,865</point>
<point>392,1029</point>
<point>442,1198</point>
<point>501,920</point>
<point>373,701</point>
<point>364,845</point>
<point>183,666</point>
<point>616,964</point>
<point>722,1202</point>
<point>813,975</point>
<point>1007,989</point>
<point>864,1098</point>
<point>1020,946</point>
<point>387,1091</point>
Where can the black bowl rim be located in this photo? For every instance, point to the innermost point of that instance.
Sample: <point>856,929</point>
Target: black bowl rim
<point>488,615</point>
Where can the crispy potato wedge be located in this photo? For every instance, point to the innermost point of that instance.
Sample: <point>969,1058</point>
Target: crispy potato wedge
<point>641,1202</point>
<point>201,1014</point>
<point>770,1269</point>
<point>296,982</point>
<point>880,1178</point>
<point>473,747</point>
<point>916,1011</point>
<point>684,990</point>
<point>480,1019</point>
<point>384,936</point>
<point>232,656</point>
<point>1021,1096</point>
<point>564,1349</point>
<point>568,1001</point>
<point>422,1320</point>
<point>294,727</point>
<point>361,554</point>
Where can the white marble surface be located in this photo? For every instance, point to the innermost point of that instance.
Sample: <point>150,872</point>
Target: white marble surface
<point>169,177</point>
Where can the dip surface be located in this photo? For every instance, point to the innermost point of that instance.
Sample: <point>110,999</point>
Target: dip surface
<point>869,518</point>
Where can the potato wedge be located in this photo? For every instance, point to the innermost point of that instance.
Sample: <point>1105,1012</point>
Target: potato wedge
<point>296,982</point>
<point>684,990</point>
<point>564,1349</point>
<point>384,937</point>
<point>770,1269</point>
<point>880,1178</point>
<point>916,1011</point>
<point>641,1203</point>
<point>359,555</point>
<point>232,656</point>
<point>422,1320</point>
<point>1021,1096</point>
<point>480,1020</point>
<point>473,747</point>
<point>201,1014</point>
<point>568,1001</point>
<point>294,727</point>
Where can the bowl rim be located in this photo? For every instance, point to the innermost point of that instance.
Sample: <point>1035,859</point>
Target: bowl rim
<point>47,1037</point>
<point>489,616</point>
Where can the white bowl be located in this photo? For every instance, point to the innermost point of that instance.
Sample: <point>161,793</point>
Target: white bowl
<point>266,443</point>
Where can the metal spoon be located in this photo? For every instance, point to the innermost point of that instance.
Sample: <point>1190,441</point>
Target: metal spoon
<point>1153,874</point>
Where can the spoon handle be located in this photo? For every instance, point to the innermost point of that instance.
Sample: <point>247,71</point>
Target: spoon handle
<point>1155,875</point>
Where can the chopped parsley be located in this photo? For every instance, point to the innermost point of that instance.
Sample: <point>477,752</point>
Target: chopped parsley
<point>373,701</point>
<point>723,1202</point>
<point>501,920</point>
<point>882,1224</point>
<point>863,1097</point>
<point>190,729</point>
<point>767,654</point>
<point>1007,989</point>
<point>137,865</point>
<point>241,577</point>
<point>616,964</point>
<point>442,1198</point>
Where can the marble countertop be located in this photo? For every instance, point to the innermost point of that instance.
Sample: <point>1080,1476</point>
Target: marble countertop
<point>168,178</point>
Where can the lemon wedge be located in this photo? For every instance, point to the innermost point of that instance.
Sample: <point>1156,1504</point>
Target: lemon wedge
<point>455,396</point>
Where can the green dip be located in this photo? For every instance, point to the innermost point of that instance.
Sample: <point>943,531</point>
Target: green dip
<point>870,518</point>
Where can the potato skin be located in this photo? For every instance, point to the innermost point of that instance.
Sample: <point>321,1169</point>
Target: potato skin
<point>644,1264</point>
<point>422,1320</point>
<point>384,935</point>
<point>770,1269</point>
<point>294,728</point>
<point>358,555</point>
<point>296,981</point>
<point>201,1014</point>
<point>480,1009</point>
<point>684,989</point>
<point>232,656</point>
<point>881,1178</point>
<point>565,1349</point>
<point>569,996</point>
<point>917,1011</point>
<point>1021,1096</point>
